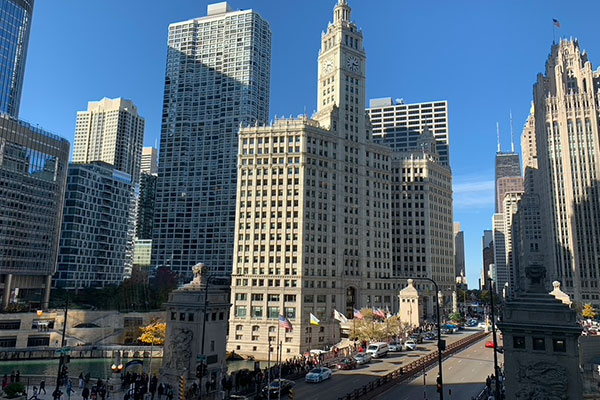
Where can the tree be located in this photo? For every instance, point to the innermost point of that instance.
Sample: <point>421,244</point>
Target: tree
<point>154,333</point>
<point>588,311</point>
<point>457,318</point>
<point>375,329</point>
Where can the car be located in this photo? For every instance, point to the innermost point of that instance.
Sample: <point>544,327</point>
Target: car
<point>346,363</point>
<point>395,346</point>
<point>452,327</point>
<point>273,388</point>
<point>481,325</point>
<point>377,350</point>
<point>362,358</point>
<point>445,331</point>
<point>430,336</point>
<point>490,344</point>
<point>410,345</point>
<point>417,337</point>
<point>318,374</point>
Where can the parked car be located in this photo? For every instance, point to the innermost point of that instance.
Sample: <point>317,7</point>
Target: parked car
<point>395,346</point>
<point>318,374</point>
<point>451,327</point>
<point>430,336</point>
<point>377,350</point>
<point>347,363</point>
<point>362,358</point>
<point>417,337</point>
<point>410,345</point>
<point>489,344</point>
<point>273,388</point>
<point>482,325</point>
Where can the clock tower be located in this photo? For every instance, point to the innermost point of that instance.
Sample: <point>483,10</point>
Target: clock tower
<point>342,84</point>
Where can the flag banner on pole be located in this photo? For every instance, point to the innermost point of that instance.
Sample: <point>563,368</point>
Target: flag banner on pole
<point>556,22</point>
<point>379,312</point>
<point>339,316</point>
<point>314,320</point>
<point>358,314</point>
<point>285,323</point>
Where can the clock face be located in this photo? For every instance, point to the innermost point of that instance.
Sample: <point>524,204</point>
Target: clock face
<point>328,65</point>
<point>353,63</point>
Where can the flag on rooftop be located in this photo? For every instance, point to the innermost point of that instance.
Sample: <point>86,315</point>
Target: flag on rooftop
<point>285,323</point>
<point>314,320</point>
<point>339,316</point>
<point>556,22</point>
<point>358,314</point>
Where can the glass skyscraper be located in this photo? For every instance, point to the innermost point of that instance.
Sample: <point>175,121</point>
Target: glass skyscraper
<point>15,23</point>
<point>217,78</point>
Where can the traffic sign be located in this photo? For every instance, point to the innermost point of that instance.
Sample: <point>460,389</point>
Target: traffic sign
<point>201,357</point>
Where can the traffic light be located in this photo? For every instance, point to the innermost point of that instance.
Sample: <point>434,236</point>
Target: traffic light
<point>181,387</point>
<point>67,359</point>
<point>291,394</point>
<point>438,382</point>
<point>201,370</point>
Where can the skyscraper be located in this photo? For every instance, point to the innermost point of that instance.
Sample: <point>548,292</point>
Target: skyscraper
<point>112,131</point>
<point>15,20</point>
<point>149,161</point>
<point>487,245</point>
<point>399,125</point>
<point>95,240</point>
<point>218,77</point>
<point>459,251</point>
<point>566,119</point>
<point>146,204</point>
<point>33,172</point>
<point>313,217</point>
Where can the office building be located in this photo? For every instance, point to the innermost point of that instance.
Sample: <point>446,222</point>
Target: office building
<point>146,204</point>
<point>218,77</point>
<point>508,176</point>
<point>149,163</point>
<point>399,125</point>
<point>507,282</point>
<point>111,131</point>
<point>487,244</point>
<point>15,20</point>
<point>312,229</point>
<point>142,256</point>
<point>95,235</point>
<point>459,251</point>
<point>33,172</point>
<point>566,119</point>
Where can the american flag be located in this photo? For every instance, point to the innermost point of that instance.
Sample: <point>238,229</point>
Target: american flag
<point>285,323</point>
<point>556,22</point>
<point>358,314</point>
<point>379,312</point>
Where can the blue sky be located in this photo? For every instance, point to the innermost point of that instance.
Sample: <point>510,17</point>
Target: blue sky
<point>481,56</point>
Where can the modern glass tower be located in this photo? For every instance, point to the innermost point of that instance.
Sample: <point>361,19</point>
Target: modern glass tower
<point>218,77</point>
<point>15,20</point>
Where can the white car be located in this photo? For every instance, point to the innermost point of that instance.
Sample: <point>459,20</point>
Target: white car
<point>410,345</point>
<point>395,347</point>
<point>481,325</point>
<point>318,374</point>
<point>362,358</point>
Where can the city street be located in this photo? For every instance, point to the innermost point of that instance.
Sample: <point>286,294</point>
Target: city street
<point>343,382</point>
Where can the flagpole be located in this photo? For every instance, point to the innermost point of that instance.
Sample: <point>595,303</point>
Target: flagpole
<point>269,370</point>
<point>280,365</point>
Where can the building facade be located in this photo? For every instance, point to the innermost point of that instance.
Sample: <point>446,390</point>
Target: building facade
<point>33,172</point>
<point>459,251</point>
<point>149,164</point>
<point>399,125</point>
<point>146,206</point>
<point>566,119</point>
<point>15,19</point>
<point>95,230</point>
<point>487,244</point>
<point>508,176</point>
<point>313,215</point>
<point>218,77</point>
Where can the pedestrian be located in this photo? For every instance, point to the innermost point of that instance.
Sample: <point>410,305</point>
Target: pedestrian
<point>18,376</point>
<point>170,393</point>
<point>56,394</point>
<point>81,380</point>
<point>12,377</point>
<point>69,389</point>
<point>4,381</point>
<point>85,393</point>
<point>42,386</point>
<point>161,390</point>
<point>207,386</point>
<point>153,383</point>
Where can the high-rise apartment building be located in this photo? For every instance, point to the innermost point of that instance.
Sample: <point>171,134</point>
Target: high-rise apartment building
<point>399,125</point>
<point>111,131</point>
<point>218,77</point>
<point>566,119</point>
<point>422,220</point>
<point>15,20</point>
<point>33,172</point>
<point>146,205</point>
<point>95,235</point>
<point>459,251</point>
<point>149,163</point>
<point>312,229</point>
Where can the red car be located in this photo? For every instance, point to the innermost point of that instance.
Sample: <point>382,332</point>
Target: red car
<point>347,363</point>
<point>490,344</point>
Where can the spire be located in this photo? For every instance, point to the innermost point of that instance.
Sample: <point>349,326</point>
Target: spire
<point>498,133</point>
<point>512,134</point>
<point>342,11</point>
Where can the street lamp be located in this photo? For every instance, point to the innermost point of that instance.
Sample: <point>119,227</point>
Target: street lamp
<point>440,342</point>
<point>204,364</point>
<point>491,290</point>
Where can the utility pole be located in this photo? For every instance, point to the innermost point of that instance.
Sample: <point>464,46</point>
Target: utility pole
<point>497,396</point>
<point>61,361</point>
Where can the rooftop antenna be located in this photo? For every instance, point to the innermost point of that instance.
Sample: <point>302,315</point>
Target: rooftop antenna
<point>498,133</point>
<point>512,134</point>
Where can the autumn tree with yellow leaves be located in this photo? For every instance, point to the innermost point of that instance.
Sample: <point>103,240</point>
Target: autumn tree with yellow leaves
<point>154,333</point>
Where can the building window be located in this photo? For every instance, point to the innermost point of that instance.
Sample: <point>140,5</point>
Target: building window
<point>240,312</point>
<point>539,344</point>
<point>190,317</point>
<point>559,345</point>
<point>518,342</point>
<point>273,312</point>
<point>257,312</point>
<point>290,312</point>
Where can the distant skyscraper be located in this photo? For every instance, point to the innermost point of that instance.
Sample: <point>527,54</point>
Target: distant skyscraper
<point>218,77</point>
<point>508,176</point>
<point>33,172</point>
<point>399,125</point>
<point>487,244</point>
<point>149,160</point>
<point>146,203</point>
<point>566,113</point>
<point>15,20</point>
<point>459,251</point>
<point>112,131</point>
<point>95,237</point>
